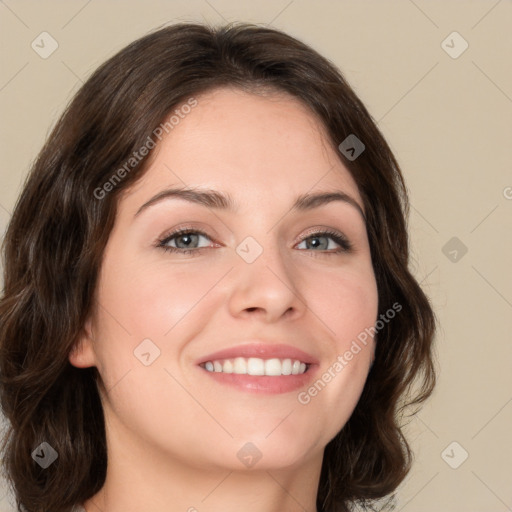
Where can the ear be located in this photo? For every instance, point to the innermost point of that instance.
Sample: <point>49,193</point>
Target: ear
<point>82,353</point>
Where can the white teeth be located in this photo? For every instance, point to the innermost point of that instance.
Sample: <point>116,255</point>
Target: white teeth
<point>286,367</point>
<point>227,367</point>
<point>256,366</point>
<point>273,367</point>
<point>240,365</point>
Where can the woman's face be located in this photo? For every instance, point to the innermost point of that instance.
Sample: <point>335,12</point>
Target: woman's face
<point>261,279</point>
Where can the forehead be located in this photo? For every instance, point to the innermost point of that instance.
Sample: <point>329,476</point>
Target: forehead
<point>252,146</point>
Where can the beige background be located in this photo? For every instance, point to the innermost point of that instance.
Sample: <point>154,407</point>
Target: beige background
<point>448,121</point>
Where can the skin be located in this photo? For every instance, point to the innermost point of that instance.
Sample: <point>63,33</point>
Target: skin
<point>173,433</point>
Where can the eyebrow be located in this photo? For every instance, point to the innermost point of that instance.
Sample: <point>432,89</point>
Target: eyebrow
<point>220,201</point>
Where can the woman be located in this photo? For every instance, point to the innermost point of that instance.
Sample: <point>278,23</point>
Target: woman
<point>207,299</point>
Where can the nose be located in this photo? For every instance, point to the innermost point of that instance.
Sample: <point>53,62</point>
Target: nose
<point>267,288</point>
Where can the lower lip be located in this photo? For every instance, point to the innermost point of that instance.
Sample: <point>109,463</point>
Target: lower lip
<point>264,384</point>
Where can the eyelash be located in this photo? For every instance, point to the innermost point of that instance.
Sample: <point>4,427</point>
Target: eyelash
<point>345,245</point>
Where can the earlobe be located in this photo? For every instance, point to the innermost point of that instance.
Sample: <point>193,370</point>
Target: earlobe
<point>82,353</point>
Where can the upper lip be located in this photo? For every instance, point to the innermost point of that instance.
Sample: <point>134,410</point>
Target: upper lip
<point>262,351</point>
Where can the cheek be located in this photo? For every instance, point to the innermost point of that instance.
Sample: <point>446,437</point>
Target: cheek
<point>346,301</point>
<point>347,304</point>
<point>145,309</point>
<point>150,299</point>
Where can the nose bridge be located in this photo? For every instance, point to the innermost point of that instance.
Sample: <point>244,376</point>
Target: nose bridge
<point>262,245</point>
<point>264,277</point>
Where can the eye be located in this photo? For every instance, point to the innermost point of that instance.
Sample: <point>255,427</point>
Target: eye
<point>183,241</point>
<point>320,240</point>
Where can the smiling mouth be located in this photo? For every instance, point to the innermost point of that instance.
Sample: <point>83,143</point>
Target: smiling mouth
<point>256,366</point>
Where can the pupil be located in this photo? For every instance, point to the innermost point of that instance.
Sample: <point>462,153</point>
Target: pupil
<point>186,237</point>
<point>314,242</point>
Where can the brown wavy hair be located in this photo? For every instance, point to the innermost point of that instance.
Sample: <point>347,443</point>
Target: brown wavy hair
<point>55,241</point>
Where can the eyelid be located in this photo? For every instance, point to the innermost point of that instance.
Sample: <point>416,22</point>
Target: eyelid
<point>184,228</point>
<point>320,230</point>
